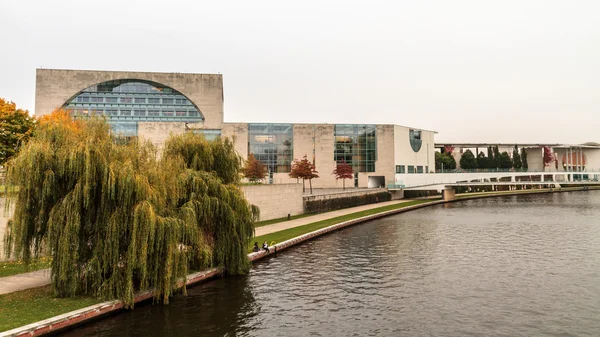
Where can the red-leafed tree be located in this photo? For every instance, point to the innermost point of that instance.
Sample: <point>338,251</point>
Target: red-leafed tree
<point>548,156</point>
<point>343,171</point>
<point>254,170</point>
<point>305,170</point>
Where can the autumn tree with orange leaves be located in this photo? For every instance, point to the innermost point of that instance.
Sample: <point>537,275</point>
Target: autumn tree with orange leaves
<point>254,170</point>
<point>343,171</point>
<point>305,170</point>
<point>16,126</point>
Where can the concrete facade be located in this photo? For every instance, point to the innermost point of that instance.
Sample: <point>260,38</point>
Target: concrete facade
<point>276,200</point>
<point>55,87</point>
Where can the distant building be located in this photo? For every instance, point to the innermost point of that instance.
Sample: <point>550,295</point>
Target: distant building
<point>155,105</point>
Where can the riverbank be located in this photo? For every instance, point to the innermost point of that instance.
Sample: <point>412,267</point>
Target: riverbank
<point>291,237</point>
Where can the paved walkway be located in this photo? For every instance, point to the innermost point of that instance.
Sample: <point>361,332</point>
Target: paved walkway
<point>276,227</point>
<point>18,282</point>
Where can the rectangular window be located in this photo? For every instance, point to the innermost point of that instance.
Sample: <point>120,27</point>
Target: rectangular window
<point>139,112</point>
<point>272,144</point>
<point>167,113</point>
<point>180,101</point>
<point>153,100</point>
<point>193,113</point>
<point>426,169</point>
<point>97,99</point>
<point>112,112</point>
<point>180,113</point>
<point>411,169</point>
<point>126,100</point>
<point>111,99</point>
<point>356,144</point>
<point>153,113</point>
<point>167,101</point>
<point>400,168</point>
<point>83,99</point>
<point>140,100</point>
<point>419,169</point>
<point>125,112</point>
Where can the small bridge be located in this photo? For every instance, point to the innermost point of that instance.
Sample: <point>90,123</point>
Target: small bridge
<point>511,178</point>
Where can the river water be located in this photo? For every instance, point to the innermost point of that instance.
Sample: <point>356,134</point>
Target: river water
<point>508,266</point>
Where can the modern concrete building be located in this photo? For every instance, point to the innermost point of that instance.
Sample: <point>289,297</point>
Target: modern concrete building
<point>155,105</point>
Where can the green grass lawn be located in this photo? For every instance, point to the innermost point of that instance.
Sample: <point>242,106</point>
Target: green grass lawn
<point>272,221</point>
<point>287,234</point>
<point>18,267</point>
<point>32,305</point>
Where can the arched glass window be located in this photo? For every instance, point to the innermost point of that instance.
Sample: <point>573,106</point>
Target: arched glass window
<point>415,140</point>
<point>127,102</point>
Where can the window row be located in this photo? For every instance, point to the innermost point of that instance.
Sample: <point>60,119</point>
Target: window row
<point>130,100</point>
<point>401,169</point>
<point>136,112</point>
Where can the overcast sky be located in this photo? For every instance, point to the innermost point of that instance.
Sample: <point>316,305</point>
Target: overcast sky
<point>475,71</point>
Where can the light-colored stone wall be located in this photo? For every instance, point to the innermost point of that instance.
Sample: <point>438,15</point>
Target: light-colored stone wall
<point>55,87</point>
<point>275,200</point>
<point>344,194</point>
<point>384,165</point>
<point>238,132</point>
<point>592,157</point>
<point>404,154</point>
<point>316,141</point>
<point>158,132</point>
<point>535,159</point>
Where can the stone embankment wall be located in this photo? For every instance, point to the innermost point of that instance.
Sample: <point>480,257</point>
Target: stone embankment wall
<point>275,201</point>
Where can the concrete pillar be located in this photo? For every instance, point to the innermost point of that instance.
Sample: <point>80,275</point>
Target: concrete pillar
<point>448,194</point>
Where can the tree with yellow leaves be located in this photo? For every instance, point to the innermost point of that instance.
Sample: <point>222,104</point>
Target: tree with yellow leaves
<point>16,126</point>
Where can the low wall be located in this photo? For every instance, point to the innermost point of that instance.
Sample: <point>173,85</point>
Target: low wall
<point>275,200</point>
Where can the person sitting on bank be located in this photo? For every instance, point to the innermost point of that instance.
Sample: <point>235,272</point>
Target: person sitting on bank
<point>266,247</point>
<point>255,248</point>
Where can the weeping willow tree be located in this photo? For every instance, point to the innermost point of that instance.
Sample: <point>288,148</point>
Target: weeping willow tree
<point>116,219</point>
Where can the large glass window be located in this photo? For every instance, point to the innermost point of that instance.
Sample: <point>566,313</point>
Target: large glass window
<point>356,144</point>
<point>135,100</point>
<point>272,145</point>
<point>400,169</point>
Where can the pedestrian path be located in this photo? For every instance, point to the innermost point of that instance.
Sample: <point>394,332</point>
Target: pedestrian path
<point>280,226</point>
<point>18,282</point>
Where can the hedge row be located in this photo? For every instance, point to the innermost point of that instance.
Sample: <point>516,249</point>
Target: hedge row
<point>320,206</point>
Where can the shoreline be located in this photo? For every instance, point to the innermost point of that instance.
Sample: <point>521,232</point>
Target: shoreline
<point>100,310</point>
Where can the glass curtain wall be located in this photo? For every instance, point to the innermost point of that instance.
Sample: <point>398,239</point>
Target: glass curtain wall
<point>272,145</point>
<point>126,102</point>
<point>356,144</point>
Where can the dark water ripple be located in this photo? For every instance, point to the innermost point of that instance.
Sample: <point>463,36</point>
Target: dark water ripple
<point>511,266</point>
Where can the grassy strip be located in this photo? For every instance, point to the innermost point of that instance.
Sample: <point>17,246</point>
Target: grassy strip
<point>272,221</point>
<point>18,267</point>
<point>36,304</point>
<point>297,231</point>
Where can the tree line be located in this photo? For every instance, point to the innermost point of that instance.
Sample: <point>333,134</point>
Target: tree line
<point>493,160</point>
